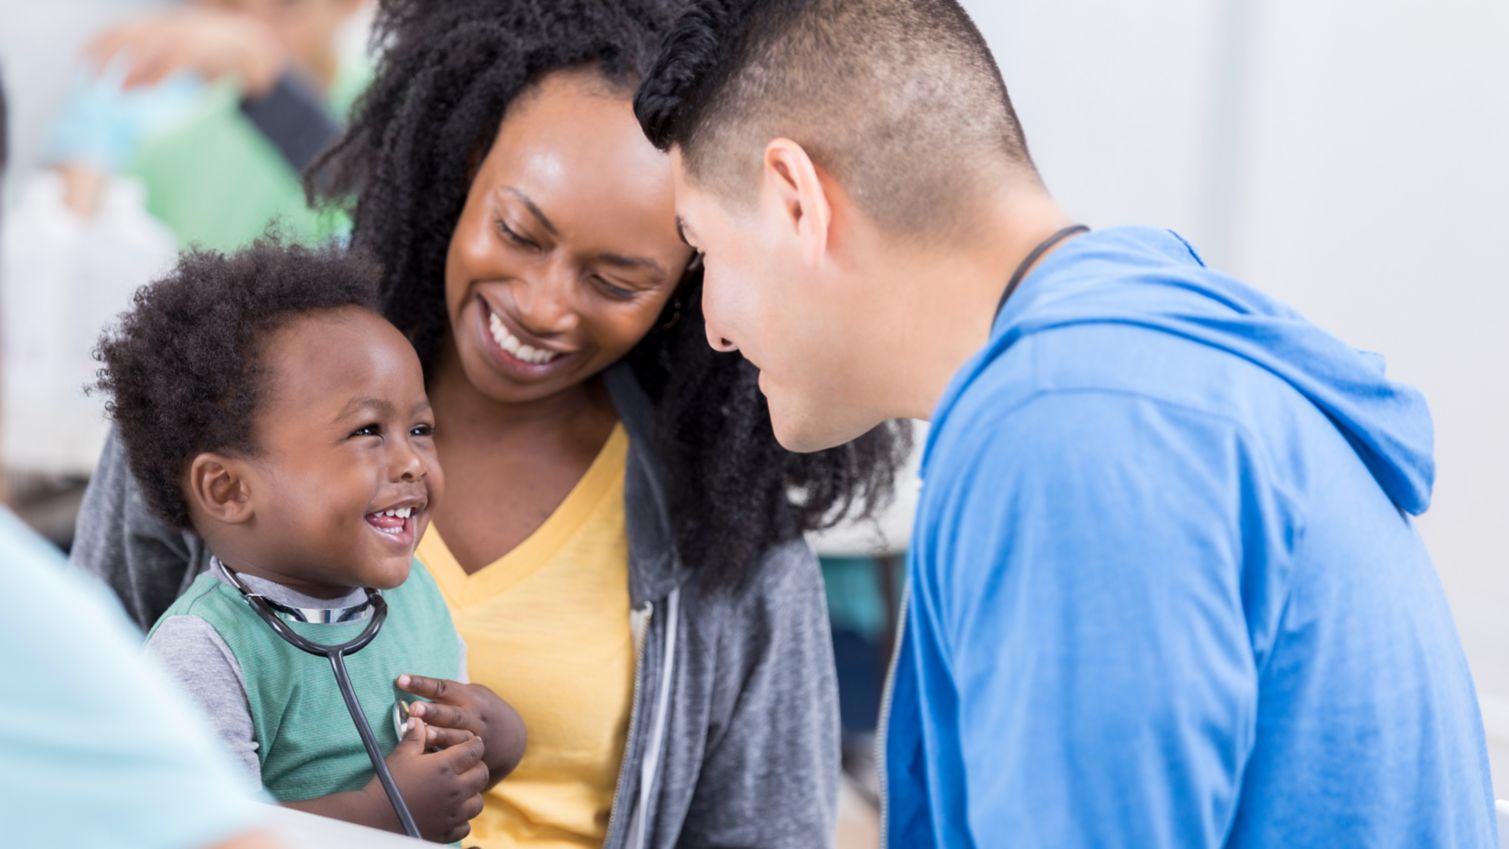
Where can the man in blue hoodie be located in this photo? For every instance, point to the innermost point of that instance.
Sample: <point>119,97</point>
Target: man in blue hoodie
<point>1165,586</point>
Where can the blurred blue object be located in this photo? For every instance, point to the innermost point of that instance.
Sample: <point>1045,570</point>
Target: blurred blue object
<point>861,599</point>
<point>855,599</point>
<point>101,749</point>
<point>103,124</point>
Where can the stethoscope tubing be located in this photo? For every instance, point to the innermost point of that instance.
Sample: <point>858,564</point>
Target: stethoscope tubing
<point>337,657</point>
<point>369,741</point>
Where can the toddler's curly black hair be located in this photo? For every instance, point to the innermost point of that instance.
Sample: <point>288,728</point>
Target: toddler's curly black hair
<point>182,370</point>
<point>448,73</point>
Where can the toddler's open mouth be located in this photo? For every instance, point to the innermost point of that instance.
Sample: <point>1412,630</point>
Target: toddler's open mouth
<point>396,523</point>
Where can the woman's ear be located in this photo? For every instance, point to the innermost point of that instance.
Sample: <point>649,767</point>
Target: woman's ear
<point>218,489</point>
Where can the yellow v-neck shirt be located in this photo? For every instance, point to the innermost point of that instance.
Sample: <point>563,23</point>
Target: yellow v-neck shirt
<point>547,628</point>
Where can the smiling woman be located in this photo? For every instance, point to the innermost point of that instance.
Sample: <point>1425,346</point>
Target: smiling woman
<point>619,543</point>
<point>566,250</point>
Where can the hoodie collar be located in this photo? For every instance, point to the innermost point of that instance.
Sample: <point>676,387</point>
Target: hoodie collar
<point>1154,279</point>
<point>654,567</point>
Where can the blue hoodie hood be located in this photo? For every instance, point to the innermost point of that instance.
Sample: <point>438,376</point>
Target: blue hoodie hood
<point>1152,278</point>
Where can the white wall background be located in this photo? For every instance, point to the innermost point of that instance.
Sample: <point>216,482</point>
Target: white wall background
<point>1351,158</point>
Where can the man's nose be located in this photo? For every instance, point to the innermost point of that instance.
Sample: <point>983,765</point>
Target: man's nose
<point>712,320</point>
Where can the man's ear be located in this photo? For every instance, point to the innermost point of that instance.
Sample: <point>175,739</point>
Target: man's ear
<point>218,488</point>
<point>801,196</point>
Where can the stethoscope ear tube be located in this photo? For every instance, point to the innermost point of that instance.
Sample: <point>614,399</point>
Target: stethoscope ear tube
<point>337,657</point>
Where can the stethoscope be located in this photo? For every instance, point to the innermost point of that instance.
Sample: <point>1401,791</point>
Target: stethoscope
<point>376,612</point>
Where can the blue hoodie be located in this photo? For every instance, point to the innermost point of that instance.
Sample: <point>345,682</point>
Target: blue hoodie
<point>1165,588</point>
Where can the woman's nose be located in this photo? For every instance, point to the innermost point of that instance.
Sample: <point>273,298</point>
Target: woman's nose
<point>546,301</point>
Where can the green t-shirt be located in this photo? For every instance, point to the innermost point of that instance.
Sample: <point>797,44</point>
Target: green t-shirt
<point>307,745</point>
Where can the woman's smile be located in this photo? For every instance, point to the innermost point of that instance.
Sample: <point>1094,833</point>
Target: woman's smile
<point>512,351</point>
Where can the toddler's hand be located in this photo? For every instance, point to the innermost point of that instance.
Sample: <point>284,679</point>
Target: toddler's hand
<point>443,789</point>
<point>456,708</point>
<point>462,707</point>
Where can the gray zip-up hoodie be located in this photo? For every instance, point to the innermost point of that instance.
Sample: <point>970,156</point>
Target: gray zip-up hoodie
<point>733,740</point>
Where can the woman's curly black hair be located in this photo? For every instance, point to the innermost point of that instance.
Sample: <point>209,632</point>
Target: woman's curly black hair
<point>448,71</point>
<point>183,371</point>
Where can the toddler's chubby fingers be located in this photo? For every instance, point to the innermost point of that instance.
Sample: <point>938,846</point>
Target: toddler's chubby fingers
<point>414,735</point>
<point>448,716</point>
<point>444,738</point>
<point>475,779</point>
<point>462,757</point>
<point>435,689</point>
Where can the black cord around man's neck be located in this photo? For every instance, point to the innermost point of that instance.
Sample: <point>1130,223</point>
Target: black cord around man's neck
<point>1032,257</point>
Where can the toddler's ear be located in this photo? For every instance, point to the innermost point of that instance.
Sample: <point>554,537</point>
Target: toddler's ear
<point>218,489</point>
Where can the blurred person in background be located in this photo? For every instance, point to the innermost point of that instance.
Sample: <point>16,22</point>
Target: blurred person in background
<point>187,126</point>
<point>97,748</point>
<point>216,108</point>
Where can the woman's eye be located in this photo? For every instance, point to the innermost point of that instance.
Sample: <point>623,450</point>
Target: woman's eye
<point>422,430</point>
<point>613,290</point>
<point>508,233</point>
<point>368,430</point>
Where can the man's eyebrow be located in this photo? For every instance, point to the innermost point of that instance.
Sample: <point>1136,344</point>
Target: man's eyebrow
<point>534,210</point>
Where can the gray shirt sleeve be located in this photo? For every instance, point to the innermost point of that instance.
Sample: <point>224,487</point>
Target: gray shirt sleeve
<point>119,540</point>
<point>201,661</point>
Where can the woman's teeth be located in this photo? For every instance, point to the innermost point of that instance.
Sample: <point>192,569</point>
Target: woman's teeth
<point>512,345</point>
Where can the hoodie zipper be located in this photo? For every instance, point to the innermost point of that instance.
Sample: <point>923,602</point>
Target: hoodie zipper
<point>883,726</point>
<point>655,744</point>
<point>624,768</point>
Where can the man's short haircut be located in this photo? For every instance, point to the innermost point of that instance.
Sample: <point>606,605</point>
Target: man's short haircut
<point>900,100</point>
